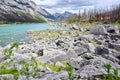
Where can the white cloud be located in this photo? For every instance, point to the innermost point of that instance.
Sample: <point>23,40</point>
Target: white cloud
<point>54,6</point>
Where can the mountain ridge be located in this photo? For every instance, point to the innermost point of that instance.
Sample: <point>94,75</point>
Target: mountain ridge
<point>63,16</point>
<point>21,11</point>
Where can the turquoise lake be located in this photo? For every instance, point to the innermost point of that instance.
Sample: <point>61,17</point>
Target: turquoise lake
<point>18,32</point>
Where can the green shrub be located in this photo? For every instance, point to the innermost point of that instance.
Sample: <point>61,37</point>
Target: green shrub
<point>111,74</point>
<point>55,68</point>
<point>72,20</point>
<point>4,66</point>
<point>69,70</point>
<point>9,51</point>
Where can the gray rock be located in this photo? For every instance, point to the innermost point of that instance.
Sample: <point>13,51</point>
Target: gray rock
<point>114,53</point>
<point>90,71</point>
<point>1,56</point>
<point>88,56</point>
<point>56,76</point>
<point>20,57</point>
<point>87,38</point>
<point>80,50</point>
<point>114,36</point>
<point>101,50</point>
<point>40,52</point>
<point>75,62</point>
<point>22,77</point>
<point>114,46</point>
<point>111,58</point>
<point>90,47</point>
<point>71,53</point>
<point>98,30</point>
<point>62,44</point>
<point>8,76</point>
<point>113,29</point>
<point>95,68</point>
<point>81,29</point>
<point>53,56</point>
<point>74,27</point>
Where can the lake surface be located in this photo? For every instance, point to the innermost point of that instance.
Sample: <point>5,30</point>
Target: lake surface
<point>18,32</point>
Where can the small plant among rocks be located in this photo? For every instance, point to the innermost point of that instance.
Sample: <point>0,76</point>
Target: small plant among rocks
<point>66,67</point>
<point>111,74</point>
<point>9,51</point>
<point>69,70</point>
<point>7,65</point>
<point>29,69</point>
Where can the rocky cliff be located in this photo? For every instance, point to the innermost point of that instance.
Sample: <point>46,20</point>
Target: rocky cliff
<point>20,11</point>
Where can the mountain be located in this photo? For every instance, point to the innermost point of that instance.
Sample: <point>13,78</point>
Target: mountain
<point>64,16</point>
<point>46,14</point>
<point>21,11</point>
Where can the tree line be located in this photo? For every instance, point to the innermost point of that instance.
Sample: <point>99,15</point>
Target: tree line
<point>102,15</point>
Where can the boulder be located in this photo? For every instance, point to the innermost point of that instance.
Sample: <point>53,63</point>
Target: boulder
<point>74,27</point>
<point>75,63</point>
<point>101,50</point>
<point>87,38</point>
<point>115,36</point>
<point>90,71</point>
<point>80,50</point>
<point>98,30</point>
<point>88,56</point>
<point>111,58</point>
<point>95,68</point>
<point>71,53</point>
<point>113,29</point>
<point>114,46</point>
<point>53,56</point>
<point>90,47</point>
<point>55,76</point>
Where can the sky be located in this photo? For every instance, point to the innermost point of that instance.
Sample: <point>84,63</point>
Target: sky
<point>74,6</point>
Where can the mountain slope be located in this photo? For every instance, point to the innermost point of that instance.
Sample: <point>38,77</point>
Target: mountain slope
<point>46,14</point>
<point>63,17</point>
<point>19,11</point>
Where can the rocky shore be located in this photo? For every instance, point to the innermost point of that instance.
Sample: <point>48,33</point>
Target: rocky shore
<point>79,56</point>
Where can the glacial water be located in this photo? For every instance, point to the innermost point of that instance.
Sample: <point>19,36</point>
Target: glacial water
<point>18,32</point>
